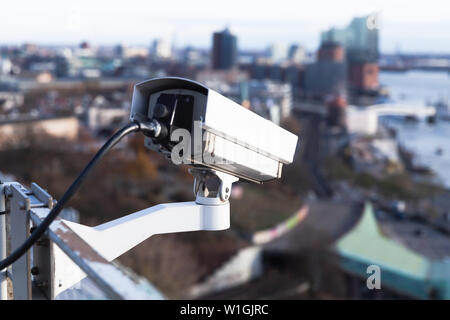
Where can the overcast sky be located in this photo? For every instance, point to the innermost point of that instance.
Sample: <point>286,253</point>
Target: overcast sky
<point>408,26</point>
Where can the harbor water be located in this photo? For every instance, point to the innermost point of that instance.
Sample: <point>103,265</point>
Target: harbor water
<point>430,143</point>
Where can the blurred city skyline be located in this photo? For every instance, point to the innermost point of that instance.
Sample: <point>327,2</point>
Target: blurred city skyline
<point>405,27</point>
<point>368,98</point>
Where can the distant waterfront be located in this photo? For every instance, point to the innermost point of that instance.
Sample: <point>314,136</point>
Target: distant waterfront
<point>417,87</point>
<point>430,142</point>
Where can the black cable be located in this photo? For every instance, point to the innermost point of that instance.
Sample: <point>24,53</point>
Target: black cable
<point>40,230</point>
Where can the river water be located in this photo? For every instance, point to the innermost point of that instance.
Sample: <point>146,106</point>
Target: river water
<point>429,142</point>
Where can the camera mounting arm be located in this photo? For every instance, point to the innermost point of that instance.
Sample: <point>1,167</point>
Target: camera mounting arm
<point>210,211</point>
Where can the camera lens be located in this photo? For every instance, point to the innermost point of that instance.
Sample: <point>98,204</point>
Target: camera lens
<point>160,111</point>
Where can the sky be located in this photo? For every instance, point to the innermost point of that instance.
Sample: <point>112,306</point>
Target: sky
<point>405,26</point>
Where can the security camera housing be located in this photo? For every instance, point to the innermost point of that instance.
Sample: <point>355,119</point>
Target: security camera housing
<point>224,135</point>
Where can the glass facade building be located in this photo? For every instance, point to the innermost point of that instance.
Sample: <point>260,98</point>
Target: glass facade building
<point>359,38</point>
<point>224,51</point>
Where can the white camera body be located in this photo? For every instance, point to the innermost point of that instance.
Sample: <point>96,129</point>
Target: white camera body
<point>224,135</point>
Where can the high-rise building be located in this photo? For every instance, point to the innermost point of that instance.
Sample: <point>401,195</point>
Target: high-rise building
<point>359,39</point>
<point>161,49</point>
<point>224,51</point>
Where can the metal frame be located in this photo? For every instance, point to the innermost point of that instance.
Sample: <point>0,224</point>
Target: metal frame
<point>71,251</point>
<point>3,273</point>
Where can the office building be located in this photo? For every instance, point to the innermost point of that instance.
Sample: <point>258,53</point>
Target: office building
<point>224,50</point>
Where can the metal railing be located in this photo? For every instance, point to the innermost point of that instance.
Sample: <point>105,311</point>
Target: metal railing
<point>61,264</point>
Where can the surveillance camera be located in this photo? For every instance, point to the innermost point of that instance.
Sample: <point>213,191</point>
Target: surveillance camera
<point>200,127</point>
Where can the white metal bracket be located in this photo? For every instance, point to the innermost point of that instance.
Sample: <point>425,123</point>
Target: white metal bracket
<point>211,186</point>
<point>57,272</point>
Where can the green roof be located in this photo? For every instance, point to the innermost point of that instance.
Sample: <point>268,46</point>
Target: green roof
<point>402,269</point>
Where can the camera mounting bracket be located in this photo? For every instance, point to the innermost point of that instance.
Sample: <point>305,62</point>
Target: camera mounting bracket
<point>211,187</point>
<point>210,211</point>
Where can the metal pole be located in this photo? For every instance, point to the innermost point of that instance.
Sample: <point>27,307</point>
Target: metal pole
<point>20,229</point>
<point>3,281</point>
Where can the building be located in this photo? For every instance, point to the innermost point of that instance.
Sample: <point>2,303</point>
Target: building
<point>9,100</point>
<point>331,51</point>
<point>195,57</point>
<point>161,49</point>
<point>119,50</point>
<point>269,99</point>
<point>104,118</point>
<point>359,39</point>
<point>6,65</point>
<point>292,73</point>
<point>224,50</point>
<point>337,107</point>
<point>328,75</point>
<point>363,76</point>
<point>11,96</point>
<point>297,54</point>
<point>410,267</point>
<point>13,129</point>
<point>360,42</point>
<point>277,53</point>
